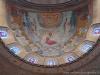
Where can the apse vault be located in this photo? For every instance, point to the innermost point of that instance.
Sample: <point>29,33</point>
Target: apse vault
<point>45,34</point>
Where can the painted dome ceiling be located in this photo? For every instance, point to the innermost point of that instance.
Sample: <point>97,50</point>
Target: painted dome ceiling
<point>48,38</point>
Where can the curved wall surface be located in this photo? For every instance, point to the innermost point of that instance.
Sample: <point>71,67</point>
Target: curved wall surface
<point>48,40</point>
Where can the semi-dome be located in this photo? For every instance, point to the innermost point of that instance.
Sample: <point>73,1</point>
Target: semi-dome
<point>45,34</point>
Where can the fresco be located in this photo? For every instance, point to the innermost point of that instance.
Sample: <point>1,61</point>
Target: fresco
<point>45,37</point>
<point>49,32</point>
